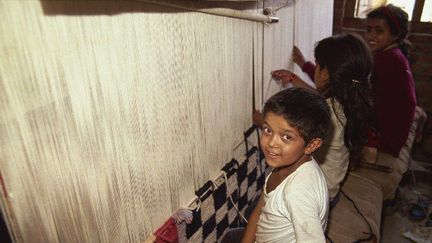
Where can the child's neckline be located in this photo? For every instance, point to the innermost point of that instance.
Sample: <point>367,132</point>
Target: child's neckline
<point>282,181</point>
<point>391,46</point>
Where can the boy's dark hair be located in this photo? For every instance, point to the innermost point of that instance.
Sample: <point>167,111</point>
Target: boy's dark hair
<point>397,20</point>
<point>349,63</point>
<point>306,111</point>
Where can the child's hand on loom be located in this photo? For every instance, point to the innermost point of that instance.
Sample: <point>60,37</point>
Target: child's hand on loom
<point>284,76</point>
<point>298,57</point>
<point>257,118</point>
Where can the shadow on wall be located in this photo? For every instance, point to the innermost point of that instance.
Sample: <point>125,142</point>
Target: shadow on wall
<point>86,7</point>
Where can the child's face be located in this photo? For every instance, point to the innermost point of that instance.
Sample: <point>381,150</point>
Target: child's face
<point>281,143</point>
<point>378,35</point>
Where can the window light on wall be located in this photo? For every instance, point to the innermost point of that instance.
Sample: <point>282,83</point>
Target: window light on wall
<point>427,11</point>
<point>363,6</point>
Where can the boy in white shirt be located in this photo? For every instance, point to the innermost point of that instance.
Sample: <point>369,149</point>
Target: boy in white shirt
<point>294,203</point>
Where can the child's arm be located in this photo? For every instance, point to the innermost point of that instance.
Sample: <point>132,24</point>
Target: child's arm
<point>287,77</point>
<point>298,82</point>
<point>304,211</point>
<point>249,234</point>
<point>306,67</point>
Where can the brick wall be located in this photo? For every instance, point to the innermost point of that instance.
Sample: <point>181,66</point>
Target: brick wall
<point>338,14</point>
<point>422,68</point>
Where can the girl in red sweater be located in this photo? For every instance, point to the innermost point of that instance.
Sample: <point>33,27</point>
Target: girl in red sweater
<point>392,80</point>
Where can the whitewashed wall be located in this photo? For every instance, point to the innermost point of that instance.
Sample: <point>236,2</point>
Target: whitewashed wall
<point>113,113</point>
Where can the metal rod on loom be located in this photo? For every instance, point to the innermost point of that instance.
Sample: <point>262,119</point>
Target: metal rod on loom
<point>218,11</point>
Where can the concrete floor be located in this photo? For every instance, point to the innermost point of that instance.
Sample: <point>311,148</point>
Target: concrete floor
<point>397,225</point>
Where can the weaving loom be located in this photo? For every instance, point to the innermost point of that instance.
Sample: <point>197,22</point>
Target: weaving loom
<point>217,213</point>
<point>112,113</point>
<point>221,203</point>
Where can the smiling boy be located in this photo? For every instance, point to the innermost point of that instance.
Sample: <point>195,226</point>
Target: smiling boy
<point>294,203</point>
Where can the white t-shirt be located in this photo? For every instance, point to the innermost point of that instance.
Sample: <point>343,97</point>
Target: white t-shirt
<point>333,156</point>
<point>296,210</point>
